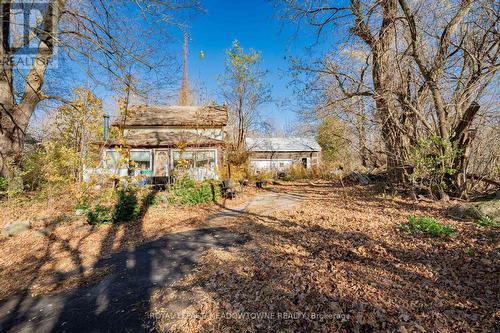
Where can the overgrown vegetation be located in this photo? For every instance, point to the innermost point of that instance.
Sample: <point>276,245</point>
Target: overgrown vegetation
<point>428,226</point>
<point>486,221</point>
<point>99,215</point>
<point>332,137</point>
<point>188,192</point>
<point>428,90</point>
<point>56,156</point>
<point>126,207</point>
<point>433,164</point>
<point>126,204</point>
<point>294,172</point>
<point>3,186</point>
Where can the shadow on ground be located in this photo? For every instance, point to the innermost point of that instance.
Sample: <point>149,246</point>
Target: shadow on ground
<point>339,278</point>
<point>119,302</point>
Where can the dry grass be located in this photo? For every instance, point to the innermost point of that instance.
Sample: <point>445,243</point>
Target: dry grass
<point>339,263</point>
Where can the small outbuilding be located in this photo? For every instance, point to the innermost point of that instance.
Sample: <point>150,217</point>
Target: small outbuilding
<point>282,153</point>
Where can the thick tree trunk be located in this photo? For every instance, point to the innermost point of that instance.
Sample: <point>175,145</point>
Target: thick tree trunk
<point>461,141</point>
<point>11,145</point>
<point>386,107</point>
<point>382,76</point>
<point>14,118</point>
<point>11,137</point>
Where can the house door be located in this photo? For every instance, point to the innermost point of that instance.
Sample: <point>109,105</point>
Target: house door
<point>161,163</point>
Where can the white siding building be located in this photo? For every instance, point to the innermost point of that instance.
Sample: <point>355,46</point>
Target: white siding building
<point>282,153</point>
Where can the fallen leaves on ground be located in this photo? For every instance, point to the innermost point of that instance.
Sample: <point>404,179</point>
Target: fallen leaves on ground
<point>339,262</point>
<point>65,257</point>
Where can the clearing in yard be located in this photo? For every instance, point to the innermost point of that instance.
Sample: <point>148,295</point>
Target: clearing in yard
<point>299,257</point>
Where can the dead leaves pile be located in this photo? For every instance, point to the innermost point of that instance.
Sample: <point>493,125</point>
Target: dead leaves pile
<point>339,263</point>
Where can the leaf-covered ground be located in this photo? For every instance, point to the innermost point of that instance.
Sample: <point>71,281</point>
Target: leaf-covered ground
<point>60,251</point>
<point>326,258</point>
<point>339,262</point>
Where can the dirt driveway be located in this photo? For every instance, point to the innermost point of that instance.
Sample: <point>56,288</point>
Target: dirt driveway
<point>120,302</point>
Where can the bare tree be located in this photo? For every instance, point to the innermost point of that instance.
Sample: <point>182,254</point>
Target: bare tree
<point>94,31</point>
<point>457,57</point>
<point>244,89</point>
<point>426,71</point>
<point>373,23</point>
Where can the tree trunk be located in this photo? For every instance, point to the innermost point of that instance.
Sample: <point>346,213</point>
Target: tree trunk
<point>360,118</point>
<point>461,141</point>
<point>14,118</point>
<point>11,136</point>
<point>11,143</point>
<point>386,107</point>
<point>241,119</point>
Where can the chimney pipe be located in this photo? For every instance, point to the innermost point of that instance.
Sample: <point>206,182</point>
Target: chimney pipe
<point>106,127</point>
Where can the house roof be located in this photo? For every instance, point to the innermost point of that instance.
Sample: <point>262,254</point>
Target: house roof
<point>151,115</point>
<point>165,139</point>
<point>281,144</point>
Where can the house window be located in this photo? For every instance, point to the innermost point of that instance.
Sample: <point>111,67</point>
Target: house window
<point>183,159</point>
<point>112,160</point>
<point>204,159</point>
<point>140,160</point>
<point>305,163</point>
<point>194,159</point>
<point>198,164</point>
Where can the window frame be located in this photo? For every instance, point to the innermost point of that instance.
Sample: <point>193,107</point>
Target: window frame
<point>106,154</point>
<point>172,151</point>
<point>150,151</point>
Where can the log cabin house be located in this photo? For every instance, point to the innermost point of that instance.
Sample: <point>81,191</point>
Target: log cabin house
<point>282,153</point>
<point>162,139</point>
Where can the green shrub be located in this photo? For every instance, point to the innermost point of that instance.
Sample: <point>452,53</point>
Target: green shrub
<point>188,192</point>
<point>427,225</point>
<point>126,207</point>
<point>15,186</point>
<point>33,169</point>
<point>433,160</point>
<point>99,215</point>
<point>486,221</point>
<point>81,206</point>
<point>3,186</point>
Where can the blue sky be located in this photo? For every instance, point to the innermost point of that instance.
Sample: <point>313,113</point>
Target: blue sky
<point>255,24</point>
